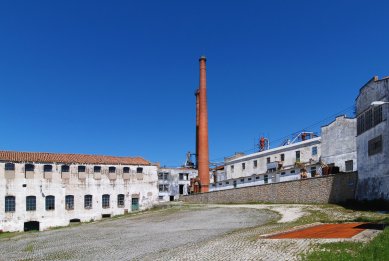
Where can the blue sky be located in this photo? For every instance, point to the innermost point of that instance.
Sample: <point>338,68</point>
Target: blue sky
<point>118,77</point>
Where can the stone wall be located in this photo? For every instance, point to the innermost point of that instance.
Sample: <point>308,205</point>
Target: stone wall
<point>325,189</point>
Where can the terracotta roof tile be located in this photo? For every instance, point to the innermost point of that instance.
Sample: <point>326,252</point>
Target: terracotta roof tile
<point>44,157</point>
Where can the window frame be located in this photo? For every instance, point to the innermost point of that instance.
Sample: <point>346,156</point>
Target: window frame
<point>9,204</point>
<point>7,166</point>
<point>121,200</point>
<point>88,201</point>
<point>50,203</point>
<point>69,202</point>
<point>105,201</point>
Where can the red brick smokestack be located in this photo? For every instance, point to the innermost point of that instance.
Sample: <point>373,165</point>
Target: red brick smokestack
<point>197,126</point>
<point>203,153</point>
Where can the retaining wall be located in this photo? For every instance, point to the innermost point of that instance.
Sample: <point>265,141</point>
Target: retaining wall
<point>325,189</point>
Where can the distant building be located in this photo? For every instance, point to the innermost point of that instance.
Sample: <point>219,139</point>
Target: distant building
<point>373,140</point>
<point>338,144</point>
<point>173,182</point>
<point>43,190</point>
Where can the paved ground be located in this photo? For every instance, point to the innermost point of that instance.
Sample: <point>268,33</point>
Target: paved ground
<point>213,232</point>
<point>132,237</point>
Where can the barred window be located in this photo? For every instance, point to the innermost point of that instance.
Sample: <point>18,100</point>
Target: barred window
<point>64,168</point>
<point>126,170</point>
<point>50,202</point>
<point>96,169</point>
<point>111,169</point>
<point>47,168</point>
<point>368,119</point>
<point>105,201</point>
<point>9,166</point>
<point>30,203</point>
<point>120,200</point>
<point>10,204</point>
<point>69,202</point>
<point>375,145</point>
<point>29,167</point>
<point>88,201</point>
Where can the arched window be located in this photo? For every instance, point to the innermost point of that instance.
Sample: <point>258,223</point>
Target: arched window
<point>126,170</point>
<point>50,202</point>
<point>9,166</point>
<point>105,201</point>
<point>69,202</point>
<point>10,204</point>
<point>88,201</point>
<point>121,201</point>
<point>111,169</point>
<point>30,203</point>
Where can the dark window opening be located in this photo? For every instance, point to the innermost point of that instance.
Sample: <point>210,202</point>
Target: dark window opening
<point>120,200</point>
<point>96,169</point>
<point>30,203</point>
<point>283,173</point>
<point>241,180</point>
<point>9,166</point>
<point>249,179</point>
<point>88,201</point>
<point>268,159</point>
<point>106,215</point>
<point>349,165</point>
<point>81,168</point>
<point>105,201</point>
<point>111,169</point>
<point>29,167</point>
<point>243,166</point>
<point>266,179</point>
<point>31,226</point>
<point>139,170</point>
<point>126,170</point>
<point>227,182</point>
<point>47,168</point>
<point>255,163</point>
<point>50,202</point>
<point>298,156</point>
<point>65,168</point>
<point>75,220</point>
<point>375,146</point>
<point>282,157</point>
<point>10,204</point>
<point>69,202</point>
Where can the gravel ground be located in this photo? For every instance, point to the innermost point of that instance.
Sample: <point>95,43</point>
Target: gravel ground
<point>147,236</point>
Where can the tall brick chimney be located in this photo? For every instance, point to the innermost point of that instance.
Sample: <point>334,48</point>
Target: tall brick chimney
<point>203,150</point>
<point>197,127</point>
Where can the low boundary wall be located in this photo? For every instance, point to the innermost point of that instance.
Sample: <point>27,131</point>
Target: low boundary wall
<point>325,189</point>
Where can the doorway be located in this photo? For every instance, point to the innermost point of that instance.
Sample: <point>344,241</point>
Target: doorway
<point>135,204</point>
<point>31,226</point>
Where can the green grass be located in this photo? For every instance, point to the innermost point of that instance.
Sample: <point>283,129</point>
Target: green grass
<point>375,250</point>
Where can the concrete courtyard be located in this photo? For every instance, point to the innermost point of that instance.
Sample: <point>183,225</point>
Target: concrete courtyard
<point>181,232</point>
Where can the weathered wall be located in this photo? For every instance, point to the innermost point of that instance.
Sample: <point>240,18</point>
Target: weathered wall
<point>326,189</point>
<point>338,142</point>
<point>173,182</point>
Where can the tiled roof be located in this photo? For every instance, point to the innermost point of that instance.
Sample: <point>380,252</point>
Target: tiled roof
<point>44,157</point>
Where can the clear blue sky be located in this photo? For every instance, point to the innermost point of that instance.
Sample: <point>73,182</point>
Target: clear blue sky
<point>118,77</point>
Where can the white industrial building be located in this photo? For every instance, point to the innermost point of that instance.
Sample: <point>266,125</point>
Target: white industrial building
<point>173,182</point>
<point>372,105</point>
<point>43,190</point>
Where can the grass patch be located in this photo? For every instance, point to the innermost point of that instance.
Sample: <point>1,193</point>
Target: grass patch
<point>8,234</point>
<point>29,248</point>
<point>376,250</point>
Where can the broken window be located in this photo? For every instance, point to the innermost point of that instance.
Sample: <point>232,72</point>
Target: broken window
<point>30,203</point>
<point>126,170</point>
<point>121,201</point>
<point>88,201</point>
<point>50,202</point>
<point>69,202</point>
<point>10,204</point>
<point>105,201</point>
<point>349,165</point>
<point>96,169</point>
<point>375,145</point>
<point>9,166</point>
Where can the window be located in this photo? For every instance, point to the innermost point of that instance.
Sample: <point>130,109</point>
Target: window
<point>29,167</point>
<point>375,146</point>
<point>232,168</point>
<point>47,168</point>
<point>298,156</point>
<point>126,170</point>
<point>9,166</point>
<point>257,177</point>
<point>163,188</point>
<point>255,163</point>
<point>349,165</point>
<point>377,115</point>
<point>292,171</point>
<point>64,168</point>
<point>282,157</point>
<point>105,201</point>
<point>139,170</point>
<point>111,169</point>
<point>9,204</point>
<point>241,180</point>
<point>249,179</point>
<point>268,159</point>
<point>88,201</point>
<point>30,203</point>
<point>243,166</point>
<point>368,119</point>
<point>220,183</point>
<point>283,173</point>
<point>69,202</point>
<point>266,179</point>
<point>314,151</point>
<point>361,124</point>
<point>313,171</point>
<point>50,202</point>
<point>81,169</point>
<point>121,201</point>
<point>227,182</point>
<point>160,176</point>
<point>96,169</point>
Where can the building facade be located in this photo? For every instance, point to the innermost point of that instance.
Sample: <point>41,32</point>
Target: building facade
<point>338,144</point>
<point>373,140</point>
<point>43,190</point>
<point>173,182</point>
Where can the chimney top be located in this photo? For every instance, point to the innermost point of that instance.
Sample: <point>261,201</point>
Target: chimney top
<point>202,57</point>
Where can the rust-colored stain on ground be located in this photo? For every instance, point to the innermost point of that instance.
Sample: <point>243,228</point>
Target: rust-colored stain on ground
<point>345,230</point>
